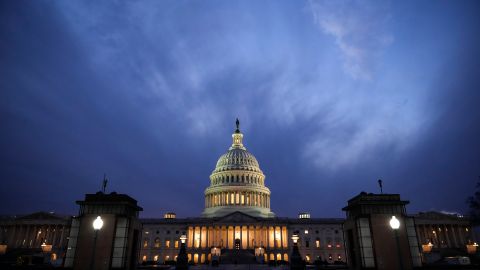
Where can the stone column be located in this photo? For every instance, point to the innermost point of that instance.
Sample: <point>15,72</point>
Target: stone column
<point>452,228</point>
<point>447,237</point>
<point>248,236</point>
<point>62,229</point>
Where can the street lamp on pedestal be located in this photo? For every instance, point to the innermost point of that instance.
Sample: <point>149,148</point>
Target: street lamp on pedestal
<point>182,258</point>
<point>395,225</point>
<point>296,262</point>
<point>97,226</point>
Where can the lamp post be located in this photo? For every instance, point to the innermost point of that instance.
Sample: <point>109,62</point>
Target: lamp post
<point>182,258</point>
<point>295,258</point>
<point>97,226</point>
<point>395,225</point>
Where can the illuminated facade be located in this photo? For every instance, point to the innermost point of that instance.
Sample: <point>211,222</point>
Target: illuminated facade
<point>237,225</point>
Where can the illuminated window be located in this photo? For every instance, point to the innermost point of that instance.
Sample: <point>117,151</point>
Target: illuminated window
<point>157,242</point>
<point>329,245</point>
<point>337,245</point>
<point>155,258</point>
<point>53,257</point>
<point>285,257</point>
<point>304,216</point>
<point>317,243</point>
<point>175,258</point>
<point>306,231</point>
<point>145,243</point>
<point>176,244</point>
<point>307,257</point>
<point>272,257</point>
<point>339,257</point>
<point>167,258</point>
<point>330,257</point>
<point>195,258</point>
<point>279,257</point>
<point>466,229</point>
<point>144,258</point>
<point>167,243</point>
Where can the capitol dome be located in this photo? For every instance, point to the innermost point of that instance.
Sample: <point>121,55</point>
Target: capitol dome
<point>237,184</point>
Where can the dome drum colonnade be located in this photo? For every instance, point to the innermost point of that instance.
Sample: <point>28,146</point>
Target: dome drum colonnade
<point>237,184</point>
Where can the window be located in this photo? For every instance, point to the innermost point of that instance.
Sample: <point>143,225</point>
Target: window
<point>145,243</point>
<point>317,243</point>
<point>176,244</point>
<point>306,231</point>
<point>144,258</point>
<point>307,243</point>
<point>307,257</point>
<point>53,257</point>
<point>157,242</point>
<point>167,243</point>
<point>155,258</point>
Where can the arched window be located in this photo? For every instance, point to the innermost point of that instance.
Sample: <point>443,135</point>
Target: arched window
<point>157,242</point>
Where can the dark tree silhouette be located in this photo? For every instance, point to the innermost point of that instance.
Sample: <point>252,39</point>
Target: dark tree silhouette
<point>474,205</point>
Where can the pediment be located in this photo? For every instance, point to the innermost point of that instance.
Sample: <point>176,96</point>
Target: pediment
<point>238,217</point>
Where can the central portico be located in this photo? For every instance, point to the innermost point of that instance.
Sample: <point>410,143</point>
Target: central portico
<point>237,184</point>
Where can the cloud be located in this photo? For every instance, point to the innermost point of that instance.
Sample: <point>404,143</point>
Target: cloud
<point>358,28</point>
<point>201,78</point>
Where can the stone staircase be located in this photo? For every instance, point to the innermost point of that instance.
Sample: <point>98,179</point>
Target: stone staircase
<point>237,256</point>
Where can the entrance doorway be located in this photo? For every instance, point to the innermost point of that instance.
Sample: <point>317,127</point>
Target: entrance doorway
<point>237,243</point>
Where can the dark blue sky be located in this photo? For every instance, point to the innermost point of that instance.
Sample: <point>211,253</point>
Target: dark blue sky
<point>331,96</point>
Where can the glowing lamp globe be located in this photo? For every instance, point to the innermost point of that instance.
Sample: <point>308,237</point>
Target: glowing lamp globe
<point>97,223</point>
<point>183,238</point>
<point>295,238</point>
<point>394,223</point>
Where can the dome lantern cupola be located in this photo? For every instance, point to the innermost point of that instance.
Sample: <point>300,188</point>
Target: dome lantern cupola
<point>237,138</point>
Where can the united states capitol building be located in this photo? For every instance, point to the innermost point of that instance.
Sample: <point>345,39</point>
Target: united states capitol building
<point>238,225</point>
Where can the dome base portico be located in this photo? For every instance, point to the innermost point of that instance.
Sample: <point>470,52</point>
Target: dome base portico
<point>227,210</point>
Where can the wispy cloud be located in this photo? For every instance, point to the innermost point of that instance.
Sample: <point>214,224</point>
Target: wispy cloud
<point>358,28</point>
<point>202,77</point>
